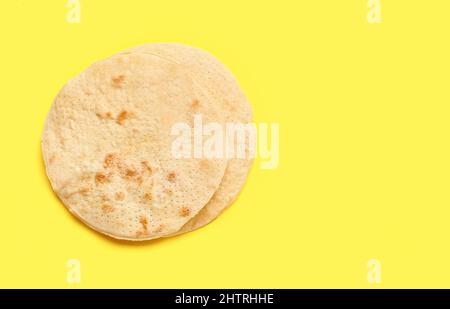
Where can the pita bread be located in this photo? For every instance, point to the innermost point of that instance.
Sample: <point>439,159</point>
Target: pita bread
<point>106,146</point>
<point>224,89</point>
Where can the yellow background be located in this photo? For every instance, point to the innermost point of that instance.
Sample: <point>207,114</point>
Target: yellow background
<point>364,144</point>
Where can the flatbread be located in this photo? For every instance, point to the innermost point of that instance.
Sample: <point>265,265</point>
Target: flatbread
<point>106,146</point>
<point>223,87</point>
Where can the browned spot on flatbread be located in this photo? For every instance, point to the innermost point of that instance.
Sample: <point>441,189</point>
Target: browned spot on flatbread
<point>84,191</point>
<point>146,166</point>
<point>130,172</point>
<point>107,208</point>
<point>184,211</point>
<point>104,198</point>
<point>120,196</point>
<point>52,159</point>
<point>143,220</point>
<point>195,103</point>
<point>206,164</point>
<point>106,115</point>
<point>118,81</point>
<point>171,176</point>
<point>101,178</point>
<point>122,116</point>
<point>147,196</point>
<point>110,159</point>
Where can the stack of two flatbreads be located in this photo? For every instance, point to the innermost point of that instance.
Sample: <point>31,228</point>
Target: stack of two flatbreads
<point>108,142</point>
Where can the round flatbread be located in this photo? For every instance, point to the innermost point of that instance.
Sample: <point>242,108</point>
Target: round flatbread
<point>223,87</point>
<point>107,147</point>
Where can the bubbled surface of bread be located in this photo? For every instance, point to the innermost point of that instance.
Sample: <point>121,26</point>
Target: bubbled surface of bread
<point>106,146</point>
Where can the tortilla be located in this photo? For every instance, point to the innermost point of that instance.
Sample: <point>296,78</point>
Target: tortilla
<point>107,140</point>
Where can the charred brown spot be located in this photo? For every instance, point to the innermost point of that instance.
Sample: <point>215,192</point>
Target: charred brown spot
<point>118,80</point>
<point>100,178</point>
<point>84,191</point>
<point>143,220</point>
<point>106,115</point>
<point>184,211</point>
<point>168,191</point>
<point>120,196</point>
<point>106,208</point>
<point>122,116</point>
<point>195,103</point>
<point>146,166</point>
<point>171,176</point>
<point>130,172</point>
<point>139,180</point>
<point>109,160</point>
<point>148,196</point>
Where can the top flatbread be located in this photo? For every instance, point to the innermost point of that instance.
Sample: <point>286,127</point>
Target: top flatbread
<point>106,145</point>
